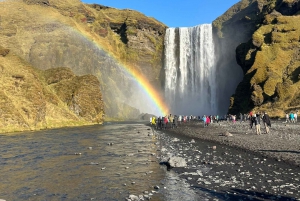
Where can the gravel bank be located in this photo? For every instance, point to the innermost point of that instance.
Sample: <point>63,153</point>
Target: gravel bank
<point>282,143</point>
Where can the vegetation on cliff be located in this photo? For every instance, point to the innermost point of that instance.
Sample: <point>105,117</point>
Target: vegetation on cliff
<point>32,99</point>
<point>89,39</point>
<point>269,54</point>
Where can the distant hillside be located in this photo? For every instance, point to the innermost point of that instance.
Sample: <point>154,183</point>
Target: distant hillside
<point>33,99</point>
<point>265,37</point>
<point>89,39</point>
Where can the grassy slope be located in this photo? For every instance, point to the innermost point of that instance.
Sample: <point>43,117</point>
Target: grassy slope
<point>28,102</point>
<point>46,40</point>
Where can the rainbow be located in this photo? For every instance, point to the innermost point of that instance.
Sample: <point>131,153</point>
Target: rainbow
<point>141,80</point>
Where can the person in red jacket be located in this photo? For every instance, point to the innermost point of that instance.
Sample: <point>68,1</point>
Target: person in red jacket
<point>207,120</point>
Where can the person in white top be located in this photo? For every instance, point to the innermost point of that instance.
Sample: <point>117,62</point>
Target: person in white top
<point>295,116</point>
<point>287,118</point>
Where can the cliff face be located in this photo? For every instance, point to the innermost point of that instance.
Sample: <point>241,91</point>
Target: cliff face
<point>266,39</point>
<point>32,99</point>
<point>89,39</point>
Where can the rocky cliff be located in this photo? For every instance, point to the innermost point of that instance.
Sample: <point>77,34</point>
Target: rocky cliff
<point>89,39</point>
<point>266,38</point>
<point>33,99</point>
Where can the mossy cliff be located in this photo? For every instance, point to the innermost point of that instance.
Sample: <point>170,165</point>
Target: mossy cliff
<point>266,39</point>
<point>89,39</point>
<point>33,99</point>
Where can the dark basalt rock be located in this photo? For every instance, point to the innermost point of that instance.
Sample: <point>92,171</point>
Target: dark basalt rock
<point>4,51</point>
<point>39,2</point>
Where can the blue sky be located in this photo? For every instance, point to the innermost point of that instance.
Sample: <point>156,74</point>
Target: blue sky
<point>174,13</point>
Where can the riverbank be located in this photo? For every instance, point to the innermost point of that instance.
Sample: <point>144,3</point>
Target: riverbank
<point>244,166</point>
<point>281,144</point>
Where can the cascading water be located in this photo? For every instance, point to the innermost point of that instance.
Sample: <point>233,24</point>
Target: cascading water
<point>190,70</point>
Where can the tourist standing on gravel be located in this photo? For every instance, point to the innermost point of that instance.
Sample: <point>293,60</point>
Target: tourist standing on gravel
<point>295,116</point>
<point>158,123</point>
<point>207,120</point>
<point>292,117</point>
<point>257,125</point>
<point>258,117</point>
<point>204,120</point>
<point>287,118</point>
<point>251,118</point>
<point>267,122</point>
<point>175,121</point>
<point>153,123</point>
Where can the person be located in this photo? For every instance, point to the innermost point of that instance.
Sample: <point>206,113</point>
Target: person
<point>233,117</point>
<point>204,120</point>
<point>207,120</point>
<point>171,121</point>
<point>292,117</point>
<point>295,116</point>
<point>175,121</point>
<point>251,118</point>
<point>166,121</point>
<point>241,117</point>
<point>267,122</point>
<point>153,121</point>
<point>158,123</point>
<point>287,119</point>
<point>258,117</point>
<point>257,125</point>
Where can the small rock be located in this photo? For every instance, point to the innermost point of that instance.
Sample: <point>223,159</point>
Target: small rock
<point>134,198</point>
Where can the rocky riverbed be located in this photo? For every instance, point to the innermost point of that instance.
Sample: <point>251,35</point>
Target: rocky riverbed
<point>282,143</point>
<point>242,166</point>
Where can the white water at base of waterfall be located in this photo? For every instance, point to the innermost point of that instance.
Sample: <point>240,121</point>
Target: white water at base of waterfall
<point>190,70</point>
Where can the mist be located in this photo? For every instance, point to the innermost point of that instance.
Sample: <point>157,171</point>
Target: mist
<point>195,82</point>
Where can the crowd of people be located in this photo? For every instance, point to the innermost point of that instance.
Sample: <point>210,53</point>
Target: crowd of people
<point>291,117</point>
<point>254,119</point>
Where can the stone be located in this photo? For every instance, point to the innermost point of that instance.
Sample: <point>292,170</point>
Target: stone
<point>177,162</point>
<point>4,52</point>
<point>227,134</point>
<point>134,198</point>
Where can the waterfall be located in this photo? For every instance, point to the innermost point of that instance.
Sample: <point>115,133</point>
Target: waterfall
<point>190,71</point>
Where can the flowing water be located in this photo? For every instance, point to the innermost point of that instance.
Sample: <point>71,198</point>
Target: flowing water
<point>107,162</point>
<point>113,161</point>
<point>190,70</point>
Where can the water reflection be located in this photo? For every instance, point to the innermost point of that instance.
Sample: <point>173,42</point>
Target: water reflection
<point>111,162</point>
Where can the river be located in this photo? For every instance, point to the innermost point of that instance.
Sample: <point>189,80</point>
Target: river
<point>115,160</point>
<point>101,162</point>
